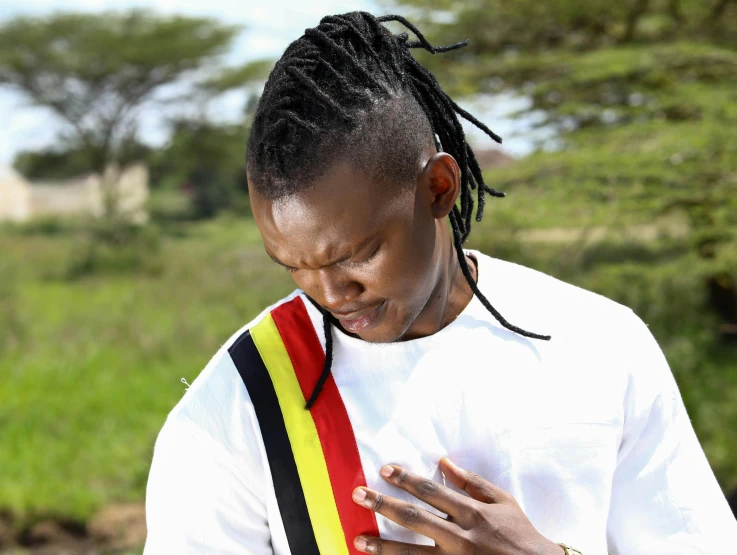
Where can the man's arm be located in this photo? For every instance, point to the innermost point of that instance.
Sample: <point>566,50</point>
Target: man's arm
<point>195,503</point>
<point>665,498</point>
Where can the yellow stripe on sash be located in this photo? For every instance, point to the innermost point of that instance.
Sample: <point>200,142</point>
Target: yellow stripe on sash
<point>308,455</point>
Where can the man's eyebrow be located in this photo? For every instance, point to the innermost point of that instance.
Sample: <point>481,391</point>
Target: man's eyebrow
<point>360,245</point>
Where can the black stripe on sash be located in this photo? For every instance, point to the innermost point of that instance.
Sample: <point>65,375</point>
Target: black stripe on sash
<point>289,494</point>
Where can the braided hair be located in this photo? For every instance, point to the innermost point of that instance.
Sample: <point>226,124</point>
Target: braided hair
<point>331,88</point>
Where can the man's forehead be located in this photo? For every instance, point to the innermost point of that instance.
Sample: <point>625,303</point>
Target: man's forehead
<point>330,217</point>
<point>345,192</point>
<point>296,233</point>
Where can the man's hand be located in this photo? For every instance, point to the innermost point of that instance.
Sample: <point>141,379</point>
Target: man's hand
<point>489,522</point>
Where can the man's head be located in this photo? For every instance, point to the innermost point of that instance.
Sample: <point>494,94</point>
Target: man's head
<point>355,158</point>
<point>370,253</point>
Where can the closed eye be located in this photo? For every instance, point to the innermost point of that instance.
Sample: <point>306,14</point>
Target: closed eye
<point>368,258</point>
<point>292,269</point>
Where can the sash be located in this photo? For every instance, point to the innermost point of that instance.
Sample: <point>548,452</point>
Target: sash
<point>313,456</point>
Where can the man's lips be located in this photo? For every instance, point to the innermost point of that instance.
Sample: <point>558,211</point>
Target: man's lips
<point>359,320</point>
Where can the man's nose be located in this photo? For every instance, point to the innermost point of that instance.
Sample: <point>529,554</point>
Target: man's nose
<point>336,288</point>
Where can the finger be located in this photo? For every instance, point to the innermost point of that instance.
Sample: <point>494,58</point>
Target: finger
<point>473,484</point>
<point>436,495</point>
<point>368,544</point>
<point>406,514</point>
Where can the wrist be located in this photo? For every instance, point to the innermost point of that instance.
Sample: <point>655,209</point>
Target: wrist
<point>547,547</point>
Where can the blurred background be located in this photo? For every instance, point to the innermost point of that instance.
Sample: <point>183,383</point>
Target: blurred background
<point>128,254</point>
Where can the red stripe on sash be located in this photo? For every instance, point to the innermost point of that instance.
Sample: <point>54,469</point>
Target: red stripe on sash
<point>331,419</point>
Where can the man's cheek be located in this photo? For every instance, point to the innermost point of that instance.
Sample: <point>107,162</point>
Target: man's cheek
<point>309,286</point>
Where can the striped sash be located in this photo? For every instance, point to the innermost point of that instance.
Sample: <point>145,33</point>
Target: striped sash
<point>314,460</point>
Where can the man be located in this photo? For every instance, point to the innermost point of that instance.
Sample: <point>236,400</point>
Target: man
<point>387,406</point>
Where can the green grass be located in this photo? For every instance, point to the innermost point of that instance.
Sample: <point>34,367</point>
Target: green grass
<point>92,366</point>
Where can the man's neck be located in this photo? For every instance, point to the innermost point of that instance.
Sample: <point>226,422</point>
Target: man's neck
<point>448,300</point>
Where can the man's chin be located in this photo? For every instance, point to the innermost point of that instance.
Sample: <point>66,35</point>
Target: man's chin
<point>373,336</point>
<point>380,334</point>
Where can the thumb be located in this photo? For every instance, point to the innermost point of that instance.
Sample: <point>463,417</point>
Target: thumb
<point>473,484</point>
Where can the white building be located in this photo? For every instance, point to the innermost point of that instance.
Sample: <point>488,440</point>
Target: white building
<point>15,196</point>
<point>21,200</point>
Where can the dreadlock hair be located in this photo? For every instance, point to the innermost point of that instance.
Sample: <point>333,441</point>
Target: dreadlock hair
<point>350,86</point>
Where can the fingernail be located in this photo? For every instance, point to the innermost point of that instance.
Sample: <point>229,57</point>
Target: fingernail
<point>360,543</point>
<point>387,471</point>
<point>359,495</point>
<point>451,463</point>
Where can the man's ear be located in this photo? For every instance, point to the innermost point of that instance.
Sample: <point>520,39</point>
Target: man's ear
<point>441,177</point>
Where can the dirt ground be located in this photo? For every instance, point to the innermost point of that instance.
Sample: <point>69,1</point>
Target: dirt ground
<point>116,529</point>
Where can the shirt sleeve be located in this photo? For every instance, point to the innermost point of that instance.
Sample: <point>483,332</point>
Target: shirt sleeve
<point>195,504</point>
<point>665,498</point>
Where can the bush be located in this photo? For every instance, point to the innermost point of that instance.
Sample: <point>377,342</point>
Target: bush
<point>12,327</point>
<point>116,247</point>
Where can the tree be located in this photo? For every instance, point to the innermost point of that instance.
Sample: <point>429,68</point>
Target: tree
<point>68,160</point>
<point>206,159</point>
<point>96,71</point>
<point>499,26</point>
<point>52,163</point>
<point>209,158</point>
<point>240,77</point>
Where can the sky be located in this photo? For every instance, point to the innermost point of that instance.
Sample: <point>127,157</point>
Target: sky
<point>269,28</point>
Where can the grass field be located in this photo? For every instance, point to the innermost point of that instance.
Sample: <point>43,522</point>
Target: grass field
<point>90,367</point>
<point>91,363</point>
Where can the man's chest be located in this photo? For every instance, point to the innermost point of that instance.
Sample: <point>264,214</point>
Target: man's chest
<point>542,426</point>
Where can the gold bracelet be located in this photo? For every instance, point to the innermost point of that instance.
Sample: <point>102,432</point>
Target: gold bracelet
<point>570,550</point>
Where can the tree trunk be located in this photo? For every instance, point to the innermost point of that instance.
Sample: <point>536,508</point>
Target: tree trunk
<point>674,9</point>
<point>638,10</point>
<point>717,11</point>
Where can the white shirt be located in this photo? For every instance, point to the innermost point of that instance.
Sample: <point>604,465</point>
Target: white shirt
<point>587,431</point>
